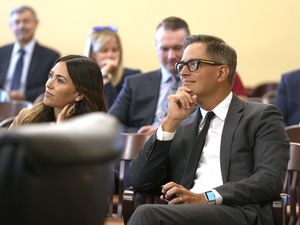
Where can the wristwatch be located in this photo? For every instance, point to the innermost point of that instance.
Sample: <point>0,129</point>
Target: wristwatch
<point>210,197</point>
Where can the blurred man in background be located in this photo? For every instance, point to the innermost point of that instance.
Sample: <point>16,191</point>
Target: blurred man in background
<point>25,64</point>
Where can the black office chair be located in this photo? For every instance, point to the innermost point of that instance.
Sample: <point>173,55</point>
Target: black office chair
<point>58,174</point>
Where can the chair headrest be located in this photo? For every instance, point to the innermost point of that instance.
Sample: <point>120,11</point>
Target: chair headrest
<point>88,138</point>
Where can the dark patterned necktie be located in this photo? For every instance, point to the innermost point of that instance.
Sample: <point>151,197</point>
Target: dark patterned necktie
<point>191,167</point>
<point>16,80</point>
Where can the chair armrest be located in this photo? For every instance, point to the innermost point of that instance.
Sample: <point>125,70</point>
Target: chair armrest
<point>132,199</point>
<point>127,204</point>
<point>279,209</point>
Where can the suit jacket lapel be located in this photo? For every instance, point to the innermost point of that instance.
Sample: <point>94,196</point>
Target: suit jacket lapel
<point>183,142</point>
<point>5,63</point>
<point>232,120</point>
<point>192,125</point>
<point>34,62</point>
<point>153,88</point>
<point>188,132</point>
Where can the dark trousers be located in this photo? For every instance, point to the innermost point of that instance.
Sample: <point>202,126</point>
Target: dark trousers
<point>188,214</point>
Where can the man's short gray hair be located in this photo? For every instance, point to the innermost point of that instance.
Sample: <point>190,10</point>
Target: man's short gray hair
<point>20,9</point>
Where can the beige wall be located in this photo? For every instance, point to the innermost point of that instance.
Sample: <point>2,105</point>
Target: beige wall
<point>265,33</point>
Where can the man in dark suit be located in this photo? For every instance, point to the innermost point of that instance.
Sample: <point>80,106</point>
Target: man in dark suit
<point>36,62</point>
<point>139,104</point>
<point>287,97</point>
<point>241,160</point>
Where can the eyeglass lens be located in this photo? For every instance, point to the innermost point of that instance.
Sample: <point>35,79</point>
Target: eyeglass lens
<point>192,65</point>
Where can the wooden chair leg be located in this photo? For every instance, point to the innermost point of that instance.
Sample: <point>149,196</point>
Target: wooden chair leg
<point>127,204</point>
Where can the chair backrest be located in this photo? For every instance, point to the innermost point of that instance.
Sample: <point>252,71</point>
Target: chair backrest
<point>12,108</point>
<point>4,96</point>
<point>293,132</point>
<point>255,99</point>
<point>269,97</point>
<point>263,88</point>
<point>133,143</point>
<point>58,174</point>
<point>291,187</point>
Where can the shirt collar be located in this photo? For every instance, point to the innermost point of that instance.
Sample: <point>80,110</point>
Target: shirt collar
<point>166,75</point>
<point>28,48</point>
<point>221,109</point>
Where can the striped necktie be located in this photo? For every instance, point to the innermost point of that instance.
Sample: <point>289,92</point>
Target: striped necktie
<point>16,80</point>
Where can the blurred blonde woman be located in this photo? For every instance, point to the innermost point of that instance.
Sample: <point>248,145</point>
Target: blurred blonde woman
<point>104,46</point>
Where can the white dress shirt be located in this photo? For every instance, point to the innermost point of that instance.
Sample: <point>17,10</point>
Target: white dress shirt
<point>13,61</point>
<point>208,173</point>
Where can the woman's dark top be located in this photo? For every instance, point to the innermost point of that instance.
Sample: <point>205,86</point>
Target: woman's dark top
<point>112,92</point>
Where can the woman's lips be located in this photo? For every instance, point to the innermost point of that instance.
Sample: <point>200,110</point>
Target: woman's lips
<point>48,94</point>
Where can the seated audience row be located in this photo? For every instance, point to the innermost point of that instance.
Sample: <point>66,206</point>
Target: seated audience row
<point>192,88</point>
<point>24,65</point>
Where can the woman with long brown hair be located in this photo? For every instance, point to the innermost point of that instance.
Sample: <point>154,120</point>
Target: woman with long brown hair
<point>74,87</point>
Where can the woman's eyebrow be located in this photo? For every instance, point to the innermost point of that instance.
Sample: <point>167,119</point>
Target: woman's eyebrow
<point>61,76</point>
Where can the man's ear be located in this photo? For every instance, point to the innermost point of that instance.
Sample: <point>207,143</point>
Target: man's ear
<point>223,73</point>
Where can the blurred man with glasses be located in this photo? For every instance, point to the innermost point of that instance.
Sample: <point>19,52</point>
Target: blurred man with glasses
<point>25,64</point>
<point>223,163</point>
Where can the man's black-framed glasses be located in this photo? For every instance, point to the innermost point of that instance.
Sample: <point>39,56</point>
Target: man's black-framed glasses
<point>193,64</point>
